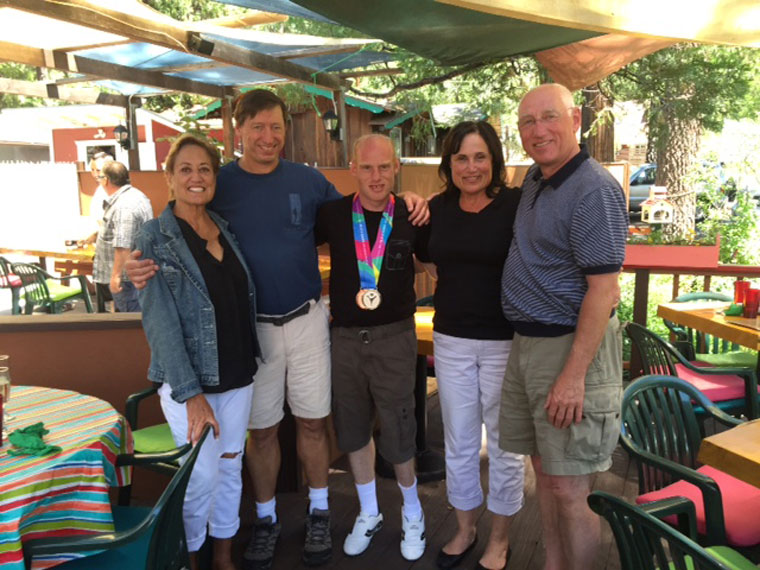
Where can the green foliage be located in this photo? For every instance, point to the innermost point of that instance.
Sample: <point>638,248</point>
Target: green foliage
<point>690,81</point>
<point>185,10</point>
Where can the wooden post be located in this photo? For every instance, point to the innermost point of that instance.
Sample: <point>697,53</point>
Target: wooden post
<point>134,152</point>
<point>640,302</point>
<point>340,103</point>
<point>228,136</point>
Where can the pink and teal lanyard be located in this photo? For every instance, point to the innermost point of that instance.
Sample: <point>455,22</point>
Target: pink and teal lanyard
<point>370,263</point>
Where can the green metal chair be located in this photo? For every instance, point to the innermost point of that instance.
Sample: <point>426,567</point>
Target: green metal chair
<point>697,345</point>
<point>153,439</point>
<point>45,291</point>
<point>145,538</point>
<point>661,432</point>
<point>12,282</point>
<point>644,542</point>
<point>731,389</point>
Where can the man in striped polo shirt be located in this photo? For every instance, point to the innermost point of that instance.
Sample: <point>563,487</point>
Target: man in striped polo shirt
<point>563,384</point>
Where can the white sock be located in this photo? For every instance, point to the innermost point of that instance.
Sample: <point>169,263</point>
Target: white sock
<point>267,509</point>
<point>318,499</point>
<point>368,498</point>
<point>412,508</point>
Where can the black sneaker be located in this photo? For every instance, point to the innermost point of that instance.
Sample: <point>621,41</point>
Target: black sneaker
<point>317,548</point>
<point>260,551</point>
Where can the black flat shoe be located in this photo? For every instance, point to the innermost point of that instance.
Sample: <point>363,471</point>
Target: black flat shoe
<point>509,553</point>
<point>446,561</point>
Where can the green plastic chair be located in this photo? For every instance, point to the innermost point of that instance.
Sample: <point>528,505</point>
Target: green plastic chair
<point>144,538</point>
<point>697,345</point>
<point>661,432</point>
<point>11,281</point>
<point>658,356</point>
<point>153,439</point>
<point>43,290</point>
<point>644,542</point>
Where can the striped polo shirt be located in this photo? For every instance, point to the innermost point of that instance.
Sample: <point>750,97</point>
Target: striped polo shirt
<point>572,225</point>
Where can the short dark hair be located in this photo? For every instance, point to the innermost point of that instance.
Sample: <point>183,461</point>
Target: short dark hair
<point>453,142</point>
<point>116,173</point>
<point>187,139</point>
<point>250,103</point>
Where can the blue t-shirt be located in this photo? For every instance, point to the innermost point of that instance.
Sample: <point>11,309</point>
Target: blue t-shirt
<point>273,215</point>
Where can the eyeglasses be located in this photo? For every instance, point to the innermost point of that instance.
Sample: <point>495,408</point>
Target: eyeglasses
<point>547,118</point>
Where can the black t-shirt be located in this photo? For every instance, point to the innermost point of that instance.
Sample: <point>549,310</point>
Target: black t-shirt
<point>469,250</point>
<point>227,286</point>
<point>334,226</point>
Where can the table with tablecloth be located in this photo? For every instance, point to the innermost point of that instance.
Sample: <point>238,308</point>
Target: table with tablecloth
<point>66,493</point>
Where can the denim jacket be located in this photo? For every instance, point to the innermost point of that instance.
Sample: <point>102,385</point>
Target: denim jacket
<point>177,313</point>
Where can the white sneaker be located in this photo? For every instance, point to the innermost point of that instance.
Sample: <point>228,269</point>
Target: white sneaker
<point>412,537</point>
<point>364,529</point>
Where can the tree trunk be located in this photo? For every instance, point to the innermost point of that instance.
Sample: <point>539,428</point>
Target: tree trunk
<point>677,152</point>
<point>598,128</point>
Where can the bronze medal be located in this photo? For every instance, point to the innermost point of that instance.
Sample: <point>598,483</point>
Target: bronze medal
<point>370,299</point>
<point>359,297</point>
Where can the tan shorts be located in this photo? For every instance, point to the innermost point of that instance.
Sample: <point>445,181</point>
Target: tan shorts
<point>373,372</point>
<point>296,365</point>
<point>533,366</point>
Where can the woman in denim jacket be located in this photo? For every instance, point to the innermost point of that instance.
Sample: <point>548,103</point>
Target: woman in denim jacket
<point>199,318</point>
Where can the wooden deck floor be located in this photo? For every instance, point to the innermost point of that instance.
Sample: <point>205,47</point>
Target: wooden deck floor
<point>384,553</point>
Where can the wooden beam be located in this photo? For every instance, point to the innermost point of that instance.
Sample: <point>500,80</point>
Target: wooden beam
<point>78,64</point>
<point>75,79</point>
<point>164,32</point>
<point>252,18</point>
<point>84,95</point>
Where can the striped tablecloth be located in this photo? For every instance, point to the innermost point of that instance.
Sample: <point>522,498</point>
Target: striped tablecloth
<point>63,494</point>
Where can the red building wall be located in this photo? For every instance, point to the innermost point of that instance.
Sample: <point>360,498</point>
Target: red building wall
<point>64,140</point>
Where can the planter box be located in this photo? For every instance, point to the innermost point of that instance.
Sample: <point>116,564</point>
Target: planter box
<point>673,256</point>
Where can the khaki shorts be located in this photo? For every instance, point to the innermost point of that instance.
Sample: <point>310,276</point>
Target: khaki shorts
<point>373,371</point>
<point>533,366</point>
<point>296,365</point>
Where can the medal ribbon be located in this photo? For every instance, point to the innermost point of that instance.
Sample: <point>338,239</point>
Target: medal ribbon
<point>370,263</point>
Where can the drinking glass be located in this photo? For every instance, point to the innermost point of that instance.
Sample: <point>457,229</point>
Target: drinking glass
<point>751,299</point>
<point>740,291</point>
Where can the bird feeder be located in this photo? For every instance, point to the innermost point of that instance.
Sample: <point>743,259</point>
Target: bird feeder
<point>657,209</point>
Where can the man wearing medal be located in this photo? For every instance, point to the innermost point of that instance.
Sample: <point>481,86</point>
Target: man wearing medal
<point>374,345</point>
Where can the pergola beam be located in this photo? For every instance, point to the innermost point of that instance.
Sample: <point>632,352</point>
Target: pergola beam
<point>54,59</point>
<point>164,32</point>
<point>85,95</point>
<point>252,18</point>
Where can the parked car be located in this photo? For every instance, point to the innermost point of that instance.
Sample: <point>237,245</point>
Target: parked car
<point>640,182</point>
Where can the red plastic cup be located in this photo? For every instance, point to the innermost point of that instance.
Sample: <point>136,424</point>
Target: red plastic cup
<point>751,299</point>
<point>740,291</point>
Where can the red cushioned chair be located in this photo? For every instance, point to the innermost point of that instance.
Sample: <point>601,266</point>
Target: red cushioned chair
<point>732,389</point>
<point>661,432</point>
<point>10,281</point>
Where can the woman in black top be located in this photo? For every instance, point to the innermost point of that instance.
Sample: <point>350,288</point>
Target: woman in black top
<point>470,233</point>
<point>199,318</point>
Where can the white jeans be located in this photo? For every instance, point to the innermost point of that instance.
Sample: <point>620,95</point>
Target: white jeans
<point>213,492</point>
<point>470,374</point>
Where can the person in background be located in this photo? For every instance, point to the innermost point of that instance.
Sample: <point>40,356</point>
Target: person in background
<point>271,205</point>
<point>469,236</point>
<point>126,210</point>
<point>199,315</point>
<point>97,203</point>
<point>373,341</point>
<point>563,385</point>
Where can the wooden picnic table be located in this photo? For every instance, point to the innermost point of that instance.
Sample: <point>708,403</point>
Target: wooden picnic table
<point>79,259</point>
<point>707,317</point>
<point>735,451</point>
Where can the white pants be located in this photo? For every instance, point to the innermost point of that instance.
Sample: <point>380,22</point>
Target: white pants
<point>470,374</point>
<point>213,492</point>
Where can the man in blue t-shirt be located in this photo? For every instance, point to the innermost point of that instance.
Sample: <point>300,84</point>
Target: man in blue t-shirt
<point>562,387</point>
<point>271,206</point>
